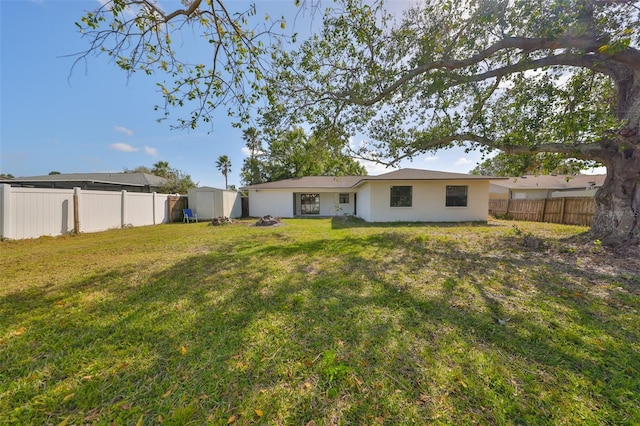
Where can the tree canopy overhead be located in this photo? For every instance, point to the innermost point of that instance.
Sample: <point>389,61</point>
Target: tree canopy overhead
<point>521,76</point>
<point>139,36</point>
<point>541,163</point>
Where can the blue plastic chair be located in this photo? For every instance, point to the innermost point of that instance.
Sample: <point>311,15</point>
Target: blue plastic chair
<point>189,216</point>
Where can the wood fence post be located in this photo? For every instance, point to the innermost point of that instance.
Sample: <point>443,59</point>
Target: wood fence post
<point>5,226</point>
<point>508,206</point>
<point>564,202</point>
<point>544,210</point>
<point>76,211</point>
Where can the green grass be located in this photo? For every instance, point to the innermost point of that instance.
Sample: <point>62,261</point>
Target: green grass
<point>319,322</point>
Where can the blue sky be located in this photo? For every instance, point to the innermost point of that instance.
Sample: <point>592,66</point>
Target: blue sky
<point>97,120</point>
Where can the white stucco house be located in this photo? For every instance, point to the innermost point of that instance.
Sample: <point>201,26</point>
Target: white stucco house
<point>404,195</point>
<point>545,186</point>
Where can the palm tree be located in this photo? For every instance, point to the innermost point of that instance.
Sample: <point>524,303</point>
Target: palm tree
<point>161,168</point>
<point>252,168</point>
<point>224,165</point>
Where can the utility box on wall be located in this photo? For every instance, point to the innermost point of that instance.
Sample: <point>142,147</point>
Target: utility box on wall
<point>209,203</point>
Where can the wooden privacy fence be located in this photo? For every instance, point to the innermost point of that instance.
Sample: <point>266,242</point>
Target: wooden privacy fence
<point>566,210</point>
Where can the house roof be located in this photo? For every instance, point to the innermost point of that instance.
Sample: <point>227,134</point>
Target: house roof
<point>344,182</point>
<point>321,182</point>
<point>552,182</point>
<point>131,179</point>
<point>419,174</point>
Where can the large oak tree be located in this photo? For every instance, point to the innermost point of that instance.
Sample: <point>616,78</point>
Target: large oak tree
<point>521,76</point>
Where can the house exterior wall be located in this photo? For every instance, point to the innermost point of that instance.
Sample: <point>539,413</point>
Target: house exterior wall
<point>529,194</point>
<point>279,202</point>
<point>428,202</point>
<point>497,192</point>
<point>343,208</point>
<point>363,209</point>
<point>576,193</point>
<point>274,202</point>
<point>329,203</point>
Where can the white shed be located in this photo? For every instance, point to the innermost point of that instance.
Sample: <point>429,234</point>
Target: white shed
<point>209,203</point>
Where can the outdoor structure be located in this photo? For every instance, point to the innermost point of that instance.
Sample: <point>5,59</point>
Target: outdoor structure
<point>545,186</point>
<point>209,203</point>
<point>131,182</point>
<point>404,195</point>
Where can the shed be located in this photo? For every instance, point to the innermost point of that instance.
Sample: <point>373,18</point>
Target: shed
<point>209,203</point>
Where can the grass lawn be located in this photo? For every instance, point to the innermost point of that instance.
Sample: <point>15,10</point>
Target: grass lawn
<point>319,322</point>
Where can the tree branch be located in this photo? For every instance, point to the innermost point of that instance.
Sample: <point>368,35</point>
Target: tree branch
<point>592,59</point>
<point>580,151</point>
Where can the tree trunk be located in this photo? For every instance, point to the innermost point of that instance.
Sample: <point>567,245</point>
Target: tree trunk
<point>617,216</point>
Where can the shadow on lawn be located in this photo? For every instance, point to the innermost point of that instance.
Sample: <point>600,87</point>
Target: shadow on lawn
<point>345,222</point>
<point>381,326</point>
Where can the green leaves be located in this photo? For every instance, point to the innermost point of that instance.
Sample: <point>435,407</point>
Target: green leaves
<point>530,73</point>
<point>295,154</point>
<point>140,36</point>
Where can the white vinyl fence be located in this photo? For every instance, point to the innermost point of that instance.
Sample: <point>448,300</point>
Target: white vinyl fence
<point>35,212</point>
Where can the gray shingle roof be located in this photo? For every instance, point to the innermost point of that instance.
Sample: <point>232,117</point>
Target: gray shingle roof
<point>320,182</point>
<point>132,179</point>
<point>419,174</point>
<point>343,182</point>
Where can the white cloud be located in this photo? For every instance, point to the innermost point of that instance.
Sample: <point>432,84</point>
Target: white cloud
<point>374,168</point>
<point>431,158</point>
<point>595,171</point>
<point>124,130</point>
<point>462,161</point>
<point>150,151</point>
<point>123,147</point>
<point>247,152</point>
